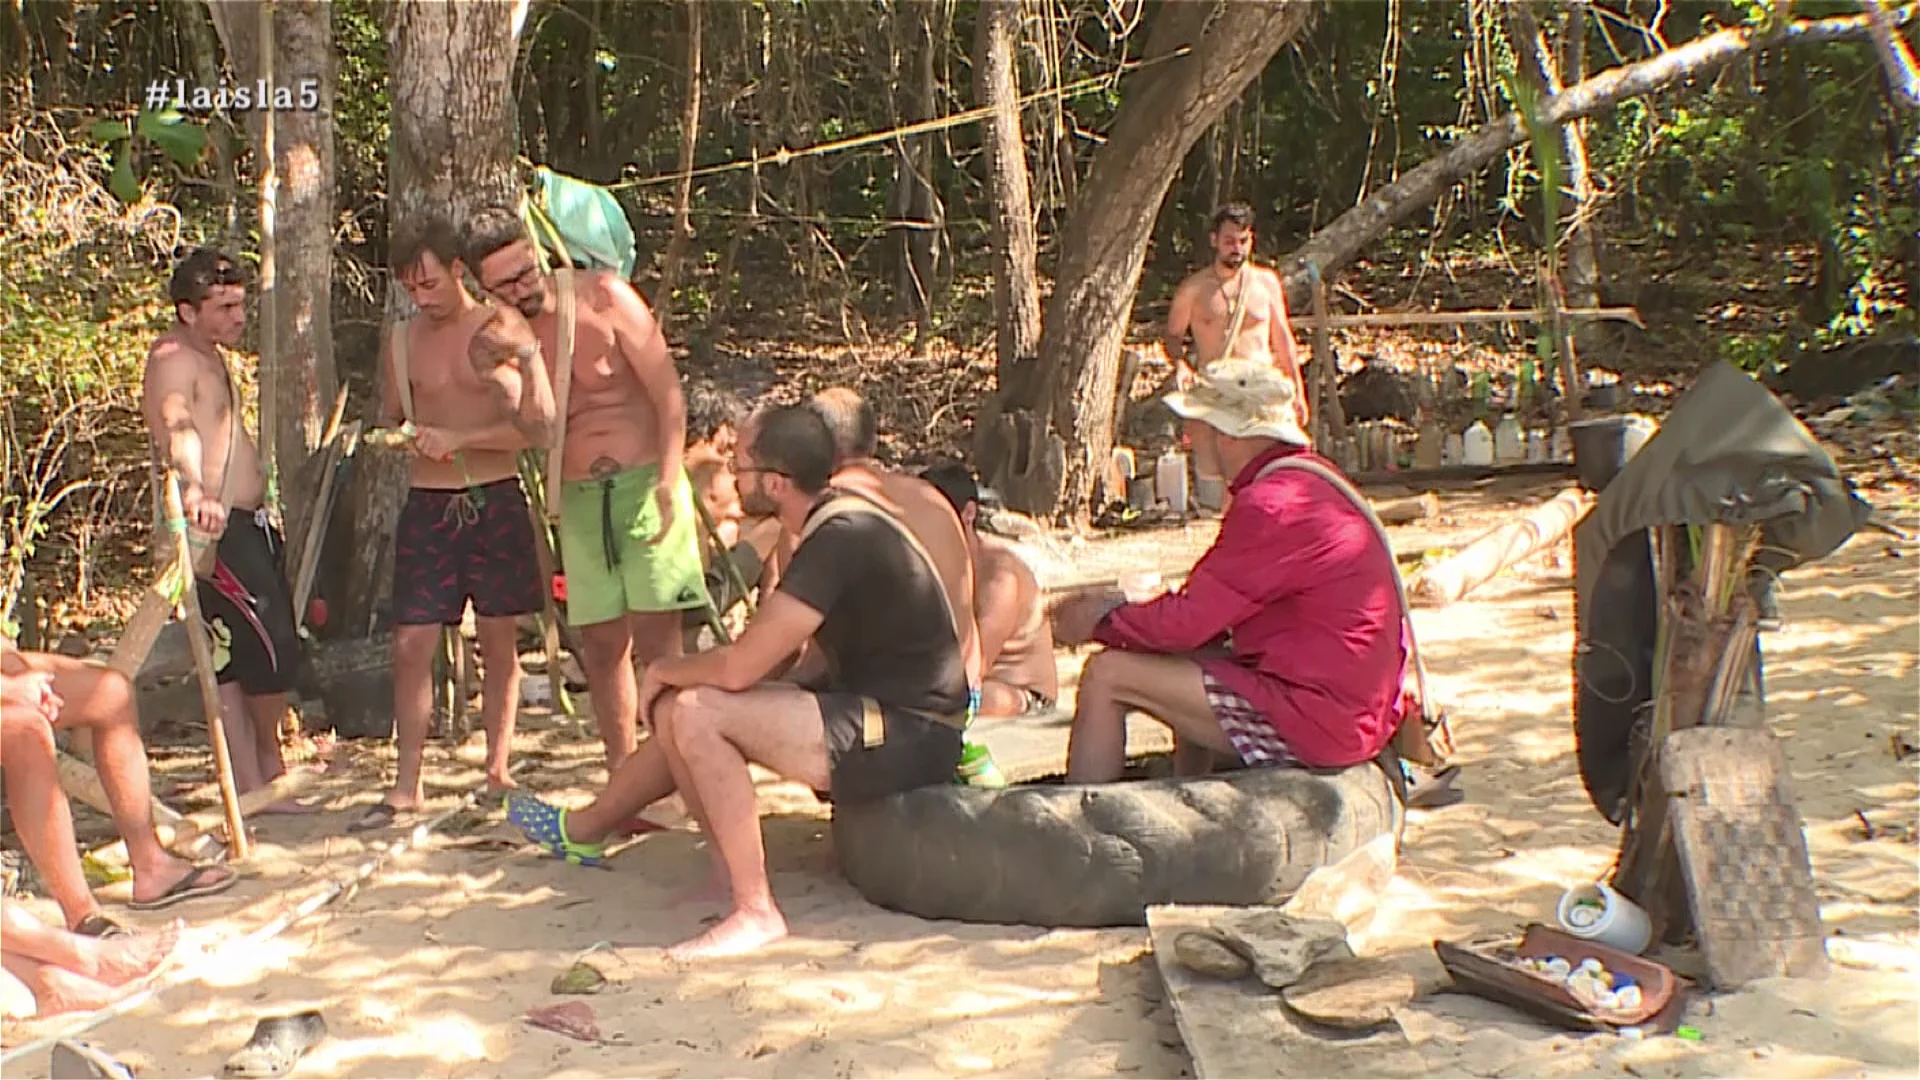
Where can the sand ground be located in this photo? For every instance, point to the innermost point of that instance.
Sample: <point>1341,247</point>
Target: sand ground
<point>425,969</point>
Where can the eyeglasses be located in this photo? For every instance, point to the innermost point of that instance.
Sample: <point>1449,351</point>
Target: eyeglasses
<point>758,469</point>
<point>516,280</point>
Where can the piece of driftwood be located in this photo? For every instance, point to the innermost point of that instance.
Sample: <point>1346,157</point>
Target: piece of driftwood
<point>1409,510</point>
<point>158,605</point>
<point>191,835</point>
<point>1478,562</point>
<point>1243,1029</point>
<point>1742,853</point>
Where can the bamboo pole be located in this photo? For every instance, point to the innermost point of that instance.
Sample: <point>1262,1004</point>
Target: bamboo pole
<point>237,840</point>
<point>1485,315</point>
<point>1498,549</point>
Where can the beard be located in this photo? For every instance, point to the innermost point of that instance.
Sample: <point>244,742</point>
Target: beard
<point>531,306</point>
<point>757,503</point>
<point>1233,260</point>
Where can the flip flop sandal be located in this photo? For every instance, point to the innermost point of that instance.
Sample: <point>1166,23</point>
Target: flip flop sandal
<point>546,825</point>
<point>380,815</point>
<point>278,1043</point>
<point>84,1061</point>
<point>1435,790</point>
<point>99,925</point>
<point>203,880</point>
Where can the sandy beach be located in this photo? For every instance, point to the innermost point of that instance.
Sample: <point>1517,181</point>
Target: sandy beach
<point>426,969</point>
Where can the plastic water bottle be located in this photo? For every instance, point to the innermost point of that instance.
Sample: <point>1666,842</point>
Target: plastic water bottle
<point>1509,442</point>
<point>1170,480</point>
<point>1477,445</point>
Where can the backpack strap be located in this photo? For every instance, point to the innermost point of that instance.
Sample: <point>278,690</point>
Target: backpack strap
<point>1360,503</point>
<point>561,366</point>
<point>398,343</point>
<point>843,503</point>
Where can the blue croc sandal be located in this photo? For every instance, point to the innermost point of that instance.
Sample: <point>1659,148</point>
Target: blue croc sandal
<point>546,825</point>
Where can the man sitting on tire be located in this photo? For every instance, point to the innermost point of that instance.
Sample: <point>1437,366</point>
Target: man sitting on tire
<point>1298,584</point>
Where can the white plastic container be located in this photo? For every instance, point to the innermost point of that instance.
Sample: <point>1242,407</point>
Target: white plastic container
<point>1536,447</point>
<point>1509,441</point>
<point>1123,463</point>
<point>1617,921</point>
<point>1170,480</point>
<point>1476,445</point>
<point>1639,430</point>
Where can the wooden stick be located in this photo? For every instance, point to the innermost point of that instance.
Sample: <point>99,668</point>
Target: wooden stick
<point>1322,363</point>
<point>1489,315</point>
<point>81,781</point>
<point>1408,510</point>
<point>238,842</point>
<point>191,834</point>
<point>269,439</point>
<point>1498,549</point>
<point>330,454</point>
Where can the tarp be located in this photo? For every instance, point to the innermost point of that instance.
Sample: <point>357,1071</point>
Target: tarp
<point>1729,452</point>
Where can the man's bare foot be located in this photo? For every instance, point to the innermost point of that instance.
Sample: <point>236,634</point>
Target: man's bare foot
<point>745,931</point>
<point>121,960</point>
<point>56,991</point>
<point>289,807</point>
<point>500,784</point>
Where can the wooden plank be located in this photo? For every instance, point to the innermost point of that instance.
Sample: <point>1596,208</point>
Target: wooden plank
<point>1480,561</point>
<point>1240,1028</point>
<point>1743,855</point>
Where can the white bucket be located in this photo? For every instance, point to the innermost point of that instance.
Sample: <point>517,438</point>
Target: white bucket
<point>1620,922</point>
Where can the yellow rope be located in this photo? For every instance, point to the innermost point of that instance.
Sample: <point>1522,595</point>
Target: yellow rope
<point>785,156</point>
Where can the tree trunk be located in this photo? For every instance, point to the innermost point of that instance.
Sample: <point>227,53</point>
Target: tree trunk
<point>301,377</point>
<point>1338,243</point>
<point>1541,67</point>
<point>914,198</point>
<point>451,153</point>
<point>689,141</point>
<point>1016,282</point>
<point>1166,108</point>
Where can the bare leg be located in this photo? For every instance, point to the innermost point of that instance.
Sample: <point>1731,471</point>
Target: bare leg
<point>266,711</point>
<point>643,779</point>
<point>413,649</point>
<point>609,663</point>
<point>238,725</point>
<point>113,961</point>
<point>999,699</point>
<point>500,693</point>
<point>99,704</point>
<point>1115,682</point>
<point>716,734</point>
<point>715,888</point>
<point>40,813</point>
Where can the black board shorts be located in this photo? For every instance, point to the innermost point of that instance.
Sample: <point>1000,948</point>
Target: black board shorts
<point>249,609</point>
<point>876,750</point>
<point>452,547</point>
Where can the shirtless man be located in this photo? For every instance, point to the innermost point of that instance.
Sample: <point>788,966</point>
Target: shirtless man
<point>912,501</point>
<point>629,535</point>
<point>464,534</point>
<point>1204,304</point>
<point>1016,638</point>
<point>193,419</point>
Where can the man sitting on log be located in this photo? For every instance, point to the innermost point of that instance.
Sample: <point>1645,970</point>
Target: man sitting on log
<point>1297,581</point>
<point>876,704</point>
<point>40,692</point>
<point>1016,641</point>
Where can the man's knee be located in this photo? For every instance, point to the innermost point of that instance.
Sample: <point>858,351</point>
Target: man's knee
<point>96,696</point>
<point>605,643</point>
<point>1105,672</point>
<point>24,733</point>
<point>413,646</point>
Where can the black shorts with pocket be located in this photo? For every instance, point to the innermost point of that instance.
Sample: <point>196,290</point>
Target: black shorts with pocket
<point>876,750</point>
<point>249,609</point>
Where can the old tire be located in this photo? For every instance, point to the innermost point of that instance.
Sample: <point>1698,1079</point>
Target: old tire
<point>1097,855</point>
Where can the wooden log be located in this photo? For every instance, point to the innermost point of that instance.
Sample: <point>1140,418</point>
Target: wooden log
<point>1495,315</point>
<point>190,835</point>
<point>238,842</point>
<point>1481,560</point>
<point>1408,510</point>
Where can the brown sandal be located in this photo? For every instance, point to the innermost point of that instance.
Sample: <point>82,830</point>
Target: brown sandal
<point>99,925</point>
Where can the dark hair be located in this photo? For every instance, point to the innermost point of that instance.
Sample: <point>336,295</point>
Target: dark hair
<point>710,408</point>
<point>1237,212</point>
<point>417,238</point>
<point>202,271</point>
<point>956,482</point>
<point>489,230</point>
<point>793,441</point>
<point>850,420</point>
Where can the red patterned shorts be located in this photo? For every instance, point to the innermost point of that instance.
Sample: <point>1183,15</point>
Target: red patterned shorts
<point>1250,732</point>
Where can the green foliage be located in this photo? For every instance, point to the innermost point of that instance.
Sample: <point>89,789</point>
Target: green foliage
<point>167,130</point>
